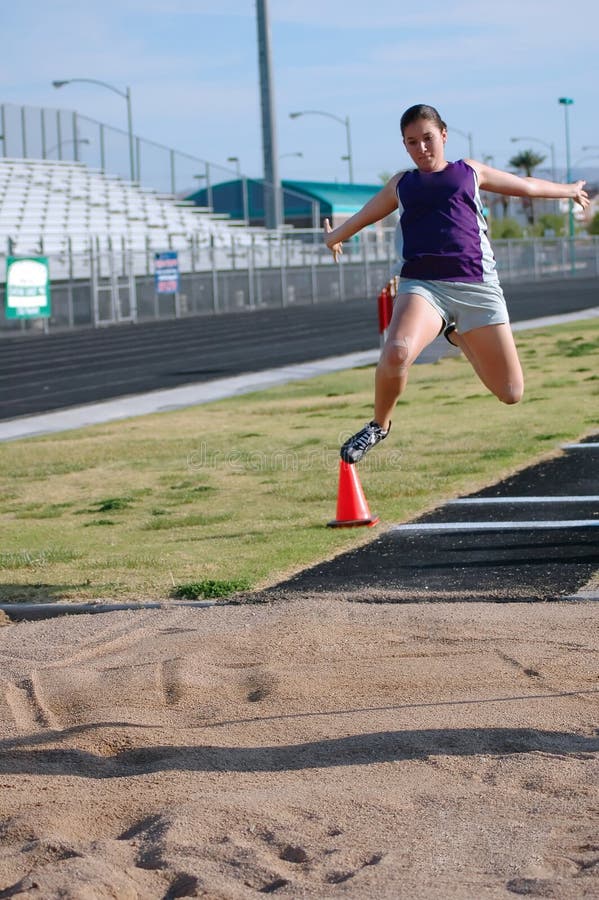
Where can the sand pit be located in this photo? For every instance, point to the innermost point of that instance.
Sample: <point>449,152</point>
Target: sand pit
<point>309,749</point>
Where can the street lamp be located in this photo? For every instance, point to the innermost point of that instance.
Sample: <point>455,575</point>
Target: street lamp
<point>61,144</point>
<point>127,95</point>
<point>553,166</point>
<point>566,102</point>
<point>235,159</point>
<point>284,155</point>
<point>244,187</point>
<point>468,136</point>
<point>345,122</point>
<point>546,144</point>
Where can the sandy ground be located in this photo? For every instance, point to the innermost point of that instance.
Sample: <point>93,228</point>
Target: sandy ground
<point>307,748</point>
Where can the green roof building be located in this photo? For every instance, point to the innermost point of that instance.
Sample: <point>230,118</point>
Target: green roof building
<point>306,203</point>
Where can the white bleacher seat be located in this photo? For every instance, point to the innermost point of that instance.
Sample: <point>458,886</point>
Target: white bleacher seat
<point>48,202</point>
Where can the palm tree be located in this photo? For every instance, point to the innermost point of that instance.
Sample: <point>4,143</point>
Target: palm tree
<point>527,161</point>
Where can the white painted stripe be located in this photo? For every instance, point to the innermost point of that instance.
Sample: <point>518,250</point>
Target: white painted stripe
<point>497,526</point>
<point>582,498</point>
<point>589,446</point>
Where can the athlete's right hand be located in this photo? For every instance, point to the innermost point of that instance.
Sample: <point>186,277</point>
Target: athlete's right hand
<point>334,246</point>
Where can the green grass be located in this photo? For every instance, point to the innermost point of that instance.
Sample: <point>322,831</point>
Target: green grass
<point>112,503</point>
<point>239,492</point>
<point>210,588</point>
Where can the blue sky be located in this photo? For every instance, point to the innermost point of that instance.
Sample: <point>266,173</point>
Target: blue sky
<point>495,70</point>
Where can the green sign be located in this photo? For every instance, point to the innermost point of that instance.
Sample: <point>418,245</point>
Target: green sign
<point>27,287</point>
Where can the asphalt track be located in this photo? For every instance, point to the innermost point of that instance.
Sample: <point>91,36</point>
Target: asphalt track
<point>533,537</point>
<point>39,373</point>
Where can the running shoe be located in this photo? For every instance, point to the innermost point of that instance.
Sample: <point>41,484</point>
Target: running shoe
<point>364,440</point>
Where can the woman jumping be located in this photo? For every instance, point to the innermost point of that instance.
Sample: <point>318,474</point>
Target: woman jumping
<point>448,280</point>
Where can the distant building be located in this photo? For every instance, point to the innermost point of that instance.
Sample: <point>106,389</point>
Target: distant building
<point>306,203</point>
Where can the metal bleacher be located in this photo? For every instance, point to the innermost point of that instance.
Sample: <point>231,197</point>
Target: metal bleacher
<point>59,208</point>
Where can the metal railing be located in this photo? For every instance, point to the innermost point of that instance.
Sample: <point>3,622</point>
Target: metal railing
<point>105,286</point>
<point>43,133</point>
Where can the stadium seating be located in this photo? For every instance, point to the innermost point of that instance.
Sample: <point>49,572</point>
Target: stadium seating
<point>61,207</point>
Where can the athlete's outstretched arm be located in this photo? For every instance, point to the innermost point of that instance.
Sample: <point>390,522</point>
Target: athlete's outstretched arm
<point>377,208</point>
<point>499,182</point>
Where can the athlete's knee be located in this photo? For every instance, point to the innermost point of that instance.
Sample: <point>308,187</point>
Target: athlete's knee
<point>396,356</point>
<point>511,393</point>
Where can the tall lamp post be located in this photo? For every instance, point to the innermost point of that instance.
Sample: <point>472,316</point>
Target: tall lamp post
<point>61,144</point>
<point>546,144</point>
<point>567,102</point>
<point>127,96</point>
<point>552,151</point>
<point>345,122</point>
<point>468,136</point>
<point>244,187</point>
<point>274,213</point>
<point>235,159</point>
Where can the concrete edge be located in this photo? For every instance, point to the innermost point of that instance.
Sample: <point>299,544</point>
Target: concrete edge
<point>19,612</point>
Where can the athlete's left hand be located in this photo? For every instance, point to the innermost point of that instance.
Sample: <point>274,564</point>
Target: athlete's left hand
<point>580,196</point>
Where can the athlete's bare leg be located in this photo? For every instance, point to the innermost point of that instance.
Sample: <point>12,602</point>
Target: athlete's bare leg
<point>414,325</point>
<point>493,355</point>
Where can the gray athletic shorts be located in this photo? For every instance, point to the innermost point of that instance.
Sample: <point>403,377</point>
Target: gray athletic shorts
<point>462,304</point>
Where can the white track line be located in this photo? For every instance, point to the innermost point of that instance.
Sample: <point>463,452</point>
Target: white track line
<point>497,526</point>
<point>588,446</point>
<point>581,498</point>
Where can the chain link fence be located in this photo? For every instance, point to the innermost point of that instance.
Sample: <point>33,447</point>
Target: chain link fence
<point>105,287</point>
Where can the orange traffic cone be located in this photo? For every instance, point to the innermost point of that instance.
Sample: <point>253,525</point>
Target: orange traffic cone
<point>352,508</point>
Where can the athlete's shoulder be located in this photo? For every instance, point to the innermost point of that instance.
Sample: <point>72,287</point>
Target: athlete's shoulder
<point>395,179</point>
<point>473,164</point>
<point>402,176</point>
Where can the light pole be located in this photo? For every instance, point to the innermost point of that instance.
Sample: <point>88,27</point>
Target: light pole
<point>206,175</point>
<point>468,136</point>
<point>546,144</point>
<point>244,187</point>
<point>127,95</point>
<point>274,213</point>
<point>285,155</point>
<point>235,159</point>
<point>345,122</point>
<point>553,166</point>
<point>567,102</point>
<point>61,144</point>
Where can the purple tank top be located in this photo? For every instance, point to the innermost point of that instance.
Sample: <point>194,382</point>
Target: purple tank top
<point>443,228</point>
